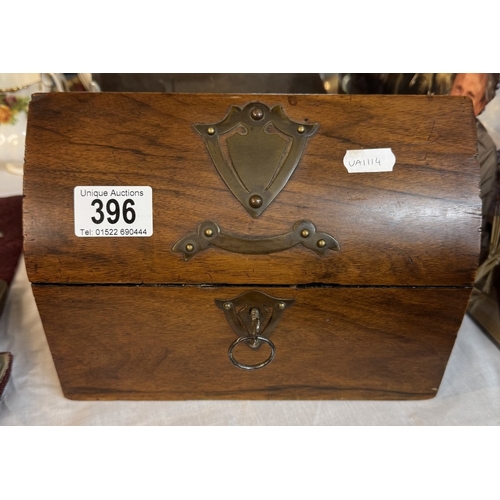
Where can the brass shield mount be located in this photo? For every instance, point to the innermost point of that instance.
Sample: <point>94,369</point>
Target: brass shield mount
<point>256,150</point>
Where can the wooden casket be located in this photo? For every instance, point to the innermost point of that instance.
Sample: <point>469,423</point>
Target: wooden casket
<point>250,246</point>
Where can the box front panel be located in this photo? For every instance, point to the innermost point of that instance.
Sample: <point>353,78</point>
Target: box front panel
<point>149,342</point>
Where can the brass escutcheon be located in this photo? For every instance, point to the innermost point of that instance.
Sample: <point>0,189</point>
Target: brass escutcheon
<point>253,316</point>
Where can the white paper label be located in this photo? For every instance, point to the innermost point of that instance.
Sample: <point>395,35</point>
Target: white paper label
<point>113,211</point>
<point>369,160</point>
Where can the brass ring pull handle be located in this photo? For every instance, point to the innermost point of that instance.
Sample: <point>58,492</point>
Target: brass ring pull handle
<point>249,340</point>
<point>209,233</point>
<point>253,316</point>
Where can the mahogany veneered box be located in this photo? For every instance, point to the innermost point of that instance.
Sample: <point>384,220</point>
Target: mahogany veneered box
<point>250,246</point>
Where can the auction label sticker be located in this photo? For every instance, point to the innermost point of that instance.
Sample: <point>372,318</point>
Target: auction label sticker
<point>113,211</point>
<point>369,160</point>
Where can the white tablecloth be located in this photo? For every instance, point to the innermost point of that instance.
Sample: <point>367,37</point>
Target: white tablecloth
<point>469,393</point>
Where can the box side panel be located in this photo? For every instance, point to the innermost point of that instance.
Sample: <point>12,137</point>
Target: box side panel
<point>416,225</point>
<point>146,342</point>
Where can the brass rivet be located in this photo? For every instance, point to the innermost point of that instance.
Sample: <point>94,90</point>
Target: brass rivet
<point>210,131</point>
<point>227,305</point>
<point>321,243</point>
<point>189,247</point>
<point>255,201</point>
<point>304,233</point>
<point>257,114</point>
<point>282,305</point>
<point>301,129</point>
<point>208,232</point>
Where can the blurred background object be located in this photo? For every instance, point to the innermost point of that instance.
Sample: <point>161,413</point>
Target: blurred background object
<point>5,369</point>
<point>394,83</point>
<point>330,82</point>
<point>11,244</point>
<point>88,83</point>
<point>16,90</point>
<point>234,83</point>
<point>3,295</point>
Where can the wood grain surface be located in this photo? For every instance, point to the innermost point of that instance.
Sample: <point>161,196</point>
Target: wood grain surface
<point>417,225</point>
<point>154,342</point>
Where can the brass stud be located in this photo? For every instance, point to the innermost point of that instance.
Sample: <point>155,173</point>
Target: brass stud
<point>255,201</point>
<point>257,114</point>
<point>189,247</point>
<point>321,243</point>
<point>210,131</point>
<point>304,233</point>
<point>282,305</point>
<point>301,129</point>
<point>208,232</point>
<point>227,305</point>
